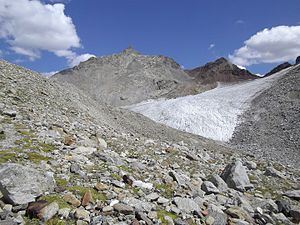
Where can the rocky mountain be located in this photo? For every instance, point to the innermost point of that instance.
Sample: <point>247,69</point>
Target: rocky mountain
<point>279,68</point>
<point>270,127</point>
<point>128,77</point>
<point>220,70</point>
<point>68,159</point>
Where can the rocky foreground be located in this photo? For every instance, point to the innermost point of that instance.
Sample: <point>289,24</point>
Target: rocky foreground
<point>66,160</point>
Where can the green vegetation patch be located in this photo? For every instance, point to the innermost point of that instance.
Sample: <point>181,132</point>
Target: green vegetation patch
<point>7,155</point>
<point>58,199</point>
<point>46,147</point>
<point>36,157</point>
<point>82,190</point>
<point>166,189</point>
<point>161,215</point>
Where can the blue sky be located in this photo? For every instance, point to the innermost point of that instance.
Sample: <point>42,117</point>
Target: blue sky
<point>193,32</point>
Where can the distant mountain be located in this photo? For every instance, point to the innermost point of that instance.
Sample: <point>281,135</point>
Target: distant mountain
<point>128,77</point>
<point>220,70</point>
<point>279,68</point>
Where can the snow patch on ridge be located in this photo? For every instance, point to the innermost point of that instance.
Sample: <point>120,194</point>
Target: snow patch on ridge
<point>212,114</point>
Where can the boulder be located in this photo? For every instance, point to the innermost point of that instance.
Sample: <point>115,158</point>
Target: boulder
<point>21,185</point>
<point>236,177</point>
<point>186,205</point>
<point>218,182</point>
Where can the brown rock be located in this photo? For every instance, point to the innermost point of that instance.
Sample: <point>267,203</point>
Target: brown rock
<point>87,198</point>
<point>101,187</point>
<point>34,208</point>
<point>69,140</point>
<point>71,199</point>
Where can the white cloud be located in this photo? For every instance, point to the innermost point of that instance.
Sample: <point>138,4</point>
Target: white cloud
<point>240,22</point>
<point>211,46</point>
<point>81,58</point>
<point>274,45</point>
<point>29,27</point>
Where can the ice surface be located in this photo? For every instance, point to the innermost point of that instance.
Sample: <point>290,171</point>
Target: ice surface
<point>212,114</point>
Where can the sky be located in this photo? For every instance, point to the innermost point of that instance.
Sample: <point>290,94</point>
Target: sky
<point>51,35</point>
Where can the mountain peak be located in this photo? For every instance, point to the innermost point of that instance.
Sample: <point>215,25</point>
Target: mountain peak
<point>130,51</point>
<point>221,60</point>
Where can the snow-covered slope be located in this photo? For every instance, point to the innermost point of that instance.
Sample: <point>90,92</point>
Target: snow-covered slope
<point>212,114</point>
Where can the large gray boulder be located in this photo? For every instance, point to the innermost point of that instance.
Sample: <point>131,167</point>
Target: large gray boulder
<point>21,185</point>
<point>236,177</point>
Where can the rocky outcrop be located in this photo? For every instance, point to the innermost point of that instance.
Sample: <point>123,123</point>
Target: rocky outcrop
<point>278,68</point>
<point>128,77</point>
<point>220,70</point>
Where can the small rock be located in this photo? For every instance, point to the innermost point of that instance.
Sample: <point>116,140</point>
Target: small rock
<point>209,220</point>
<point>186,205</point>
<point>87,198</point>
<point>141,184</point>
<point>10,113</point>
<point>48,211</point>
<point>209,188</point>
<point>75,168</point>
<point>218,182</point>
<point>101,187</point>
<point>270,171</point>
<point>152,197</point>
<point>82,214</point>
<point>142,216</point>
<point>71,199</point>
<point>101,143</point>
<point>7,207</point>
<point>107,209</point>
<point>122,208</point>
<point>162,200</point>
<point>118,184</point>
<point>295,194</point>
<point>181,179</point>
<point>251,165</point>
<point>64,212</point>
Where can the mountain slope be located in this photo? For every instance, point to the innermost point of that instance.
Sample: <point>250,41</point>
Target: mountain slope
<point>270,127</point>
<point>63,153</point>
<point>220,70</point>
<point>128,77</point>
